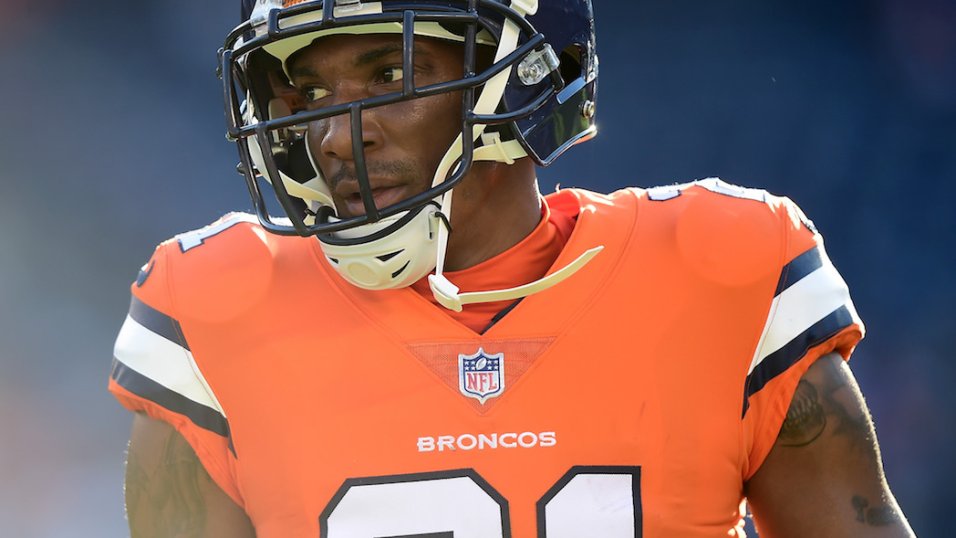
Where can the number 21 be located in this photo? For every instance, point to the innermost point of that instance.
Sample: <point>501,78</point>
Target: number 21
<point>587,501</point>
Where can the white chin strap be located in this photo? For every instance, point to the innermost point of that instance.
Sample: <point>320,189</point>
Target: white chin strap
<point>449,296</point>
<point>493,149</point>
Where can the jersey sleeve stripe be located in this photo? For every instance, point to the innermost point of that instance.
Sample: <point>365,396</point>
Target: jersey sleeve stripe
<point>812,305</point>
<point>144,387</point>
<point>800,267</point>
<point>168,366</point>
<point>157,322</point>
<point>779,361</point>
<point>799,306</point>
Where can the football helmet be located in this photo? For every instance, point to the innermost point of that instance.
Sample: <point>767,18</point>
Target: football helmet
<point>535,98</point>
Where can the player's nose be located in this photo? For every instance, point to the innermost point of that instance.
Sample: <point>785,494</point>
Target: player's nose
<point>336,134</point>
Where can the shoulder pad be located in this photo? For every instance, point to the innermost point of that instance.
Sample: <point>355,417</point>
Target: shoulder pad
<point>219,271</point>
<point>728,234</point>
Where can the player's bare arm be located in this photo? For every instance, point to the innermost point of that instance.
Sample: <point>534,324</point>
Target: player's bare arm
<point>170,494</point>
<point>824,476</point>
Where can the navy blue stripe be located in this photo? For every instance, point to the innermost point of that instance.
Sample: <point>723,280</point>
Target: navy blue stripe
<point>779,361</point>
<point>144,387</point>
<point>156,321</point>
<point>798,268</point>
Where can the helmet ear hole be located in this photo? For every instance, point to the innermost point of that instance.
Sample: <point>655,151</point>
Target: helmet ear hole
<point>570,68</point>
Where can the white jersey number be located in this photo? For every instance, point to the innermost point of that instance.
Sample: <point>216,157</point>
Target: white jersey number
<point>585,502</point>
<point>713,184</point>
<point>195,238</point>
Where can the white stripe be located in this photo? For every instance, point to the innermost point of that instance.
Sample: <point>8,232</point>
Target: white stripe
<point>801,305</point>
<point>164,362</point>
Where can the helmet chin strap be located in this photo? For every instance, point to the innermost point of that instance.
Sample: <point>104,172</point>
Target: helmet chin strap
<point>493,149</point>
<point>448,294</point>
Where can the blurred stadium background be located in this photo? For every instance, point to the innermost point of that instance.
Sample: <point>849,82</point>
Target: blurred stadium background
<point>112,140</point>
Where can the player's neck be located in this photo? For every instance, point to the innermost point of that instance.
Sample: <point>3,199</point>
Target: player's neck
<point>505,207</point>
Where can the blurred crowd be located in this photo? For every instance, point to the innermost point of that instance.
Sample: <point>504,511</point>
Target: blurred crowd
<point>112,140</point>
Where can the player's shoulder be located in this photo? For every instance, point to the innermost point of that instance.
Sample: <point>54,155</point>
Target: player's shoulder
<point>233,232</point>
<point>233,244</point>
<point>725,200</point>
<point>713,195</point>
<point>732,233</point>
<point>208,271</point>
<point>716,202</point>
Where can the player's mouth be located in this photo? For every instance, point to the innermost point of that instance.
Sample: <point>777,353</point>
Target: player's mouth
<point>382,196</point>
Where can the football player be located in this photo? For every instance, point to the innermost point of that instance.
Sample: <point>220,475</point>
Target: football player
<point>407,340</point>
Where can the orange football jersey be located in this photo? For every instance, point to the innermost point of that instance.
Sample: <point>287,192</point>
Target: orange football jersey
<point>633,399</point>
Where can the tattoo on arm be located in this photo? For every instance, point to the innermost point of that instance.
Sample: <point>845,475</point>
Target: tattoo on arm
<point>827,408</point>
<point>840,397</point>
<point>805,420</point>
<point>827,399</point>
<point>877,516</point>
<point>166,499</point>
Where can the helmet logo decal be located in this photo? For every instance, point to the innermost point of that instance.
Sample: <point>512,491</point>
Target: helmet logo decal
<point>481,376</point>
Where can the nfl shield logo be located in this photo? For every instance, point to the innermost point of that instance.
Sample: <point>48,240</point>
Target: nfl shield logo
<point>481,376</point>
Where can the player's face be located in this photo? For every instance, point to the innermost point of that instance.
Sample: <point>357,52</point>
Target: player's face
<point>404,142</point>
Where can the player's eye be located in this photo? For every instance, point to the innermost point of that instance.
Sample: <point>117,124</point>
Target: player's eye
<point>314,93</point>
<point>392,74</point>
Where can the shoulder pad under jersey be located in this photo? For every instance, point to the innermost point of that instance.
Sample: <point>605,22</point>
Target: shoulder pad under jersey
<point>221,270</point>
